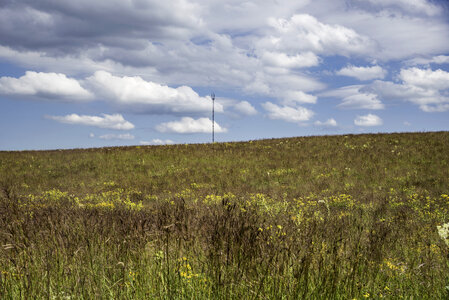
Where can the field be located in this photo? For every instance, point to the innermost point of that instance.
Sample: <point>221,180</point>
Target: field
<point>332,217</point>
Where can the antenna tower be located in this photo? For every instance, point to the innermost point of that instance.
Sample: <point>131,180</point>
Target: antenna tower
<point>212,96</point>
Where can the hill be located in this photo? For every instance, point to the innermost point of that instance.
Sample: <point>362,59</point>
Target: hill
<point>351,216</point>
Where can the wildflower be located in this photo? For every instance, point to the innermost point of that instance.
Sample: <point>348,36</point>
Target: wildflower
<point>395,267</point>
<point>434,249</point>
<point>366,295</point>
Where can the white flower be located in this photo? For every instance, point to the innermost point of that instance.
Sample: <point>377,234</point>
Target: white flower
<point>443,231</point>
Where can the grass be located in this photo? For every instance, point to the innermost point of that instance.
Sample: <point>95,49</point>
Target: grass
<point>337,217</point>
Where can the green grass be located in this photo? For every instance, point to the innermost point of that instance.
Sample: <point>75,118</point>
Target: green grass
<point>337,217</point>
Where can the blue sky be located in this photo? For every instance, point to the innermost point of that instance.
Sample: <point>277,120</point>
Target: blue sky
<point>78,74</point>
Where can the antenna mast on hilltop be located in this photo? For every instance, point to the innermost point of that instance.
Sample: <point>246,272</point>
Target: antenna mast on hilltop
<point>212,96</point>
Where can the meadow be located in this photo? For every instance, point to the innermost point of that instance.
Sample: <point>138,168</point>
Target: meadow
<point>330,217</point>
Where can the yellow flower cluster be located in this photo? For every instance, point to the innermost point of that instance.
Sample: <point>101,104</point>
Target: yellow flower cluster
<point>107,200</point>
<point>391,265</point>
<point>185,270</point>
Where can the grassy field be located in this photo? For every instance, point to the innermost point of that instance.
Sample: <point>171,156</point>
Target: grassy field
<point>332,217</point>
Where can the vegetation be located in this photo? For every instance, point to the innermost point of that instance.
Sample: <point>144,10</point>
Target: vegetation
<point>338,217</point>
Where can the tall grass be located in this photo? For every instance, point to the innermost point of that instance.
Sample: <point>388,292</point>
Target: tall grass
<point>337,217</point>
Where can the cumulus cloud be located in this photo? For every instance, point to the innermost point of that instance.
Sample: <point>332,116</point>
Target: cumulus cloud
<point>397,35</point>
<point>115,121</point>
<point>294,97</point>
<point>177,48</point>
<point>279,59</point>
<point>425,78</point>
<point>245,108</point>
<point>176,45</point>
<point>182,42</point>
<point>303,32</point>
<point>363,73</point>
<point>149,96</point>
<point>247,16</point>
<point>355,97</point>
<point>157,142</point>
<point>368,120</point>
<point>235,108</point>
<point>287,113</point>
<point>129,93</point>
<point>44,85</point>
<point>125,136</point>
<point>329,123</point>
<point>190,125</point>
<point>424,87</point>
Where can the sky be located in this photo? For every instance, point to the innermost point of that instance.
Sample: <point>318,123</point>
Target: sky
<point>95,73</point>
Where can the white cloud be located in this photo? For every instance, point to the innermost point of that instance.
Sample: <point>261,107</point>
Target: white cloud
<point>190,125</point>
<point>287,113</point>
<point>329,123</point>
<point>342,92</point>
<point>260,85</point>
<point>354,97</point>
<point>440,59</point>
<point>192,43</point>
<point>125,136</point>
<point>130,93</point>
<point>115,121</point>
<point>206,58</point>
<point>397,35</point>
<point>361,101</point>
<point>424,87</point>
<point>86,63</point>
<point>149,96</point>
<point>294,97</point>
<point>390,90</point>
<point>279,59</point>
<point>249,15</point>
<point>245,108</point>
<point>425,78</point>
<point>285,86</point>
<point>303,32</point>
<point>363,73</point>
<point>44,85</point>
<point>157,142</point>
<point>368,120</point>
<point>235,108</point>
<point>91,135</point>
<point>440,107</point>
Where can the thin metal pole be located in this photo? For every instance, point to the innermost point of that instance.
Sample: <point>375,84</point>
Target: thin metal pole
<point>213,116</point>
